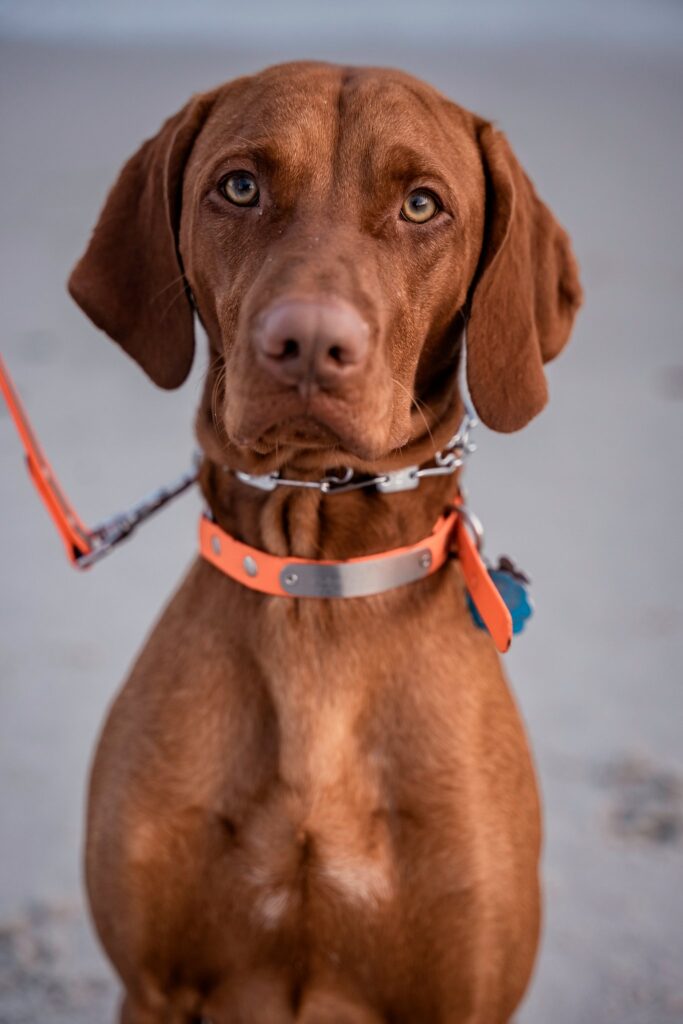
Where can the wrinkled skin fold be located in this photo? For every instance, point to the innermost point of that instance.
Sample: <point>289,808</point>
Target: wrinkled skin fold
<point>307,810</point>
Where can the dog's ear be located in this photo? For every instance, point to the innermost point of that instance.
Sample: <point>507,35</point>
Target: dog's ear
<point>525,293</point>
<point>130,279</point>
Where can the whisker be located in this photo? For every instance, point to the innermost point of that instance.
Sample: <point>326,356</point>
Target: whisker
<point>180,277</point>
<point>417,403</point>
<point>217,385</point>
<point>243,138</point>
<point>174,300</point>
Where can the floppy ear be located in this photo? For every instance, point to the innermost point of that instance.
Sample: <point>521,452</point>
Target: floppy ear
<point>525,295</point>
<point>130,279</point>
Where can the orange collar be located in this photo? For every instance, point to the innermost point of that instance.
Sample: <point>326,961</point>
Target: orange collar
<point>362,577</point>
<point>302,577</point>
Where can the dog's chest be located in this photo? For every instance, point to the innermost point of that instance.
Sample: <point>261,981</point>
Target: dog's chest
<point>354,705</point>
<point>322,834</point>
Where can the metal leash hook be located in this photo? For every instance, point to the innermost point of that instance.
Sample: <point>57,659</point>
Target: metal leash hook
<point>112,531</point>
<point>83,546</point>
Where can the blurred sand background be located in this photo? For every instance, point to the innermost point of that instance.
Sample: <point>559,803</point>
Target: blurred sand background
<point>588,499</point>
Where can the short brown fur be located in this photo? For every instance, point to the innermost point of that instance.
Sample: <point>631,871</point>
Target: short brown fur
<point>323,811</point>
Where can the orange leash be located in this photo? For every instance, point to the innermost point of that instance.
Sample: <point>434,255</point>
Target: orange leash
<point>76,537</point>
<point>83,546</point>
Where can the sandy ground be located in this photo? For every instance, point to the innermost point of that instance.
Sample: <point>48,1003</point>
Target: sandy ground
<point>588,499</point>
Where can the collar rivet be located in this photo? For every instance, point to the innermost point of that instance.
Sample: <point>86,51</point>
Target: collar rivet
<point>250,565</point>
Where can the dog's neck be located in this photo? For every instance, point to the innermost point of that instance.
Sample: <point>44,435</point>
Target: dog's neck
<point>306,523</point>
<point>309,524</point>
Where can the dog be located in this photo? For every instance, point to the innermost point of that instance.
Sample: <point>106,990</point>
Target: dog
<point>314,810</point>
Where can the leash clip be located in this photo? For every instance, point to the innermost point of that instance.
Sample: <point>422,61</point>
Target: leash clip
<point>111,532</point>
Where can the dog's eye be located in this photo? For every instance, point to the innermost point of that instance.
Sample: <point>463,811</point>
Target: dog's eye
<point>420,206</point>
<point>240,188</point>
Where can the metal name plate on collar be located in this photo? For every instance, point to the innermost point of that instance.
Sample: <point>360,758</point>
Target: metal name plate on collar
<point>355,579</point>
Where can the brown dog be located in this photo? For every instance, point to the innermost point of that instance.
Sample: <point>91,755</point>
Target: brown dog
<point>323,810</point>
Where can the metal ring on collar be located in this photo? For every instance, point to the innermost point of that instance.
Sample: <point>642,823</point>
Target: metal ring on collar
<point>473,524</point>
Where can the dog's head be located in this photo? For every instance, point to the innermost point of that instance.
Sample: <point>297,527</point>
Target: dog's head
<point>335,229</point>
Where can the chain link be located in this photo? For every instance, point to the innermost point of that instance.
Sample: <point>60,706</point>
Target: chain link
<point>451,457</point>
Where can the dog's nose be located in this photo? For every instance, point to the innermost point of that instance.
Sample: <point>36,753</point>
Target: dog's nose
<point>306,343</point>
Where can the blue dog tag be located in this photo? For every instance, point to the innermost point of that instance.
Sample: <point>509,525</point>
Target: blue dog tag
<point>513,587</point>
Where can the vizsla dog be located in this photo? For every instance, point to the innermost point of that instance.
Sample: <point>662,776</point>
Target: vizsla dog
<point>323,809</point>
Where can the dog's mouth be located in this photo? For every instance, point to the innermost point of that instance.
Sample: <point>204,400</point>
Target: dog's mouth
<point>356,426</point>
<point>300,435</point>
<point>302,431</point>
